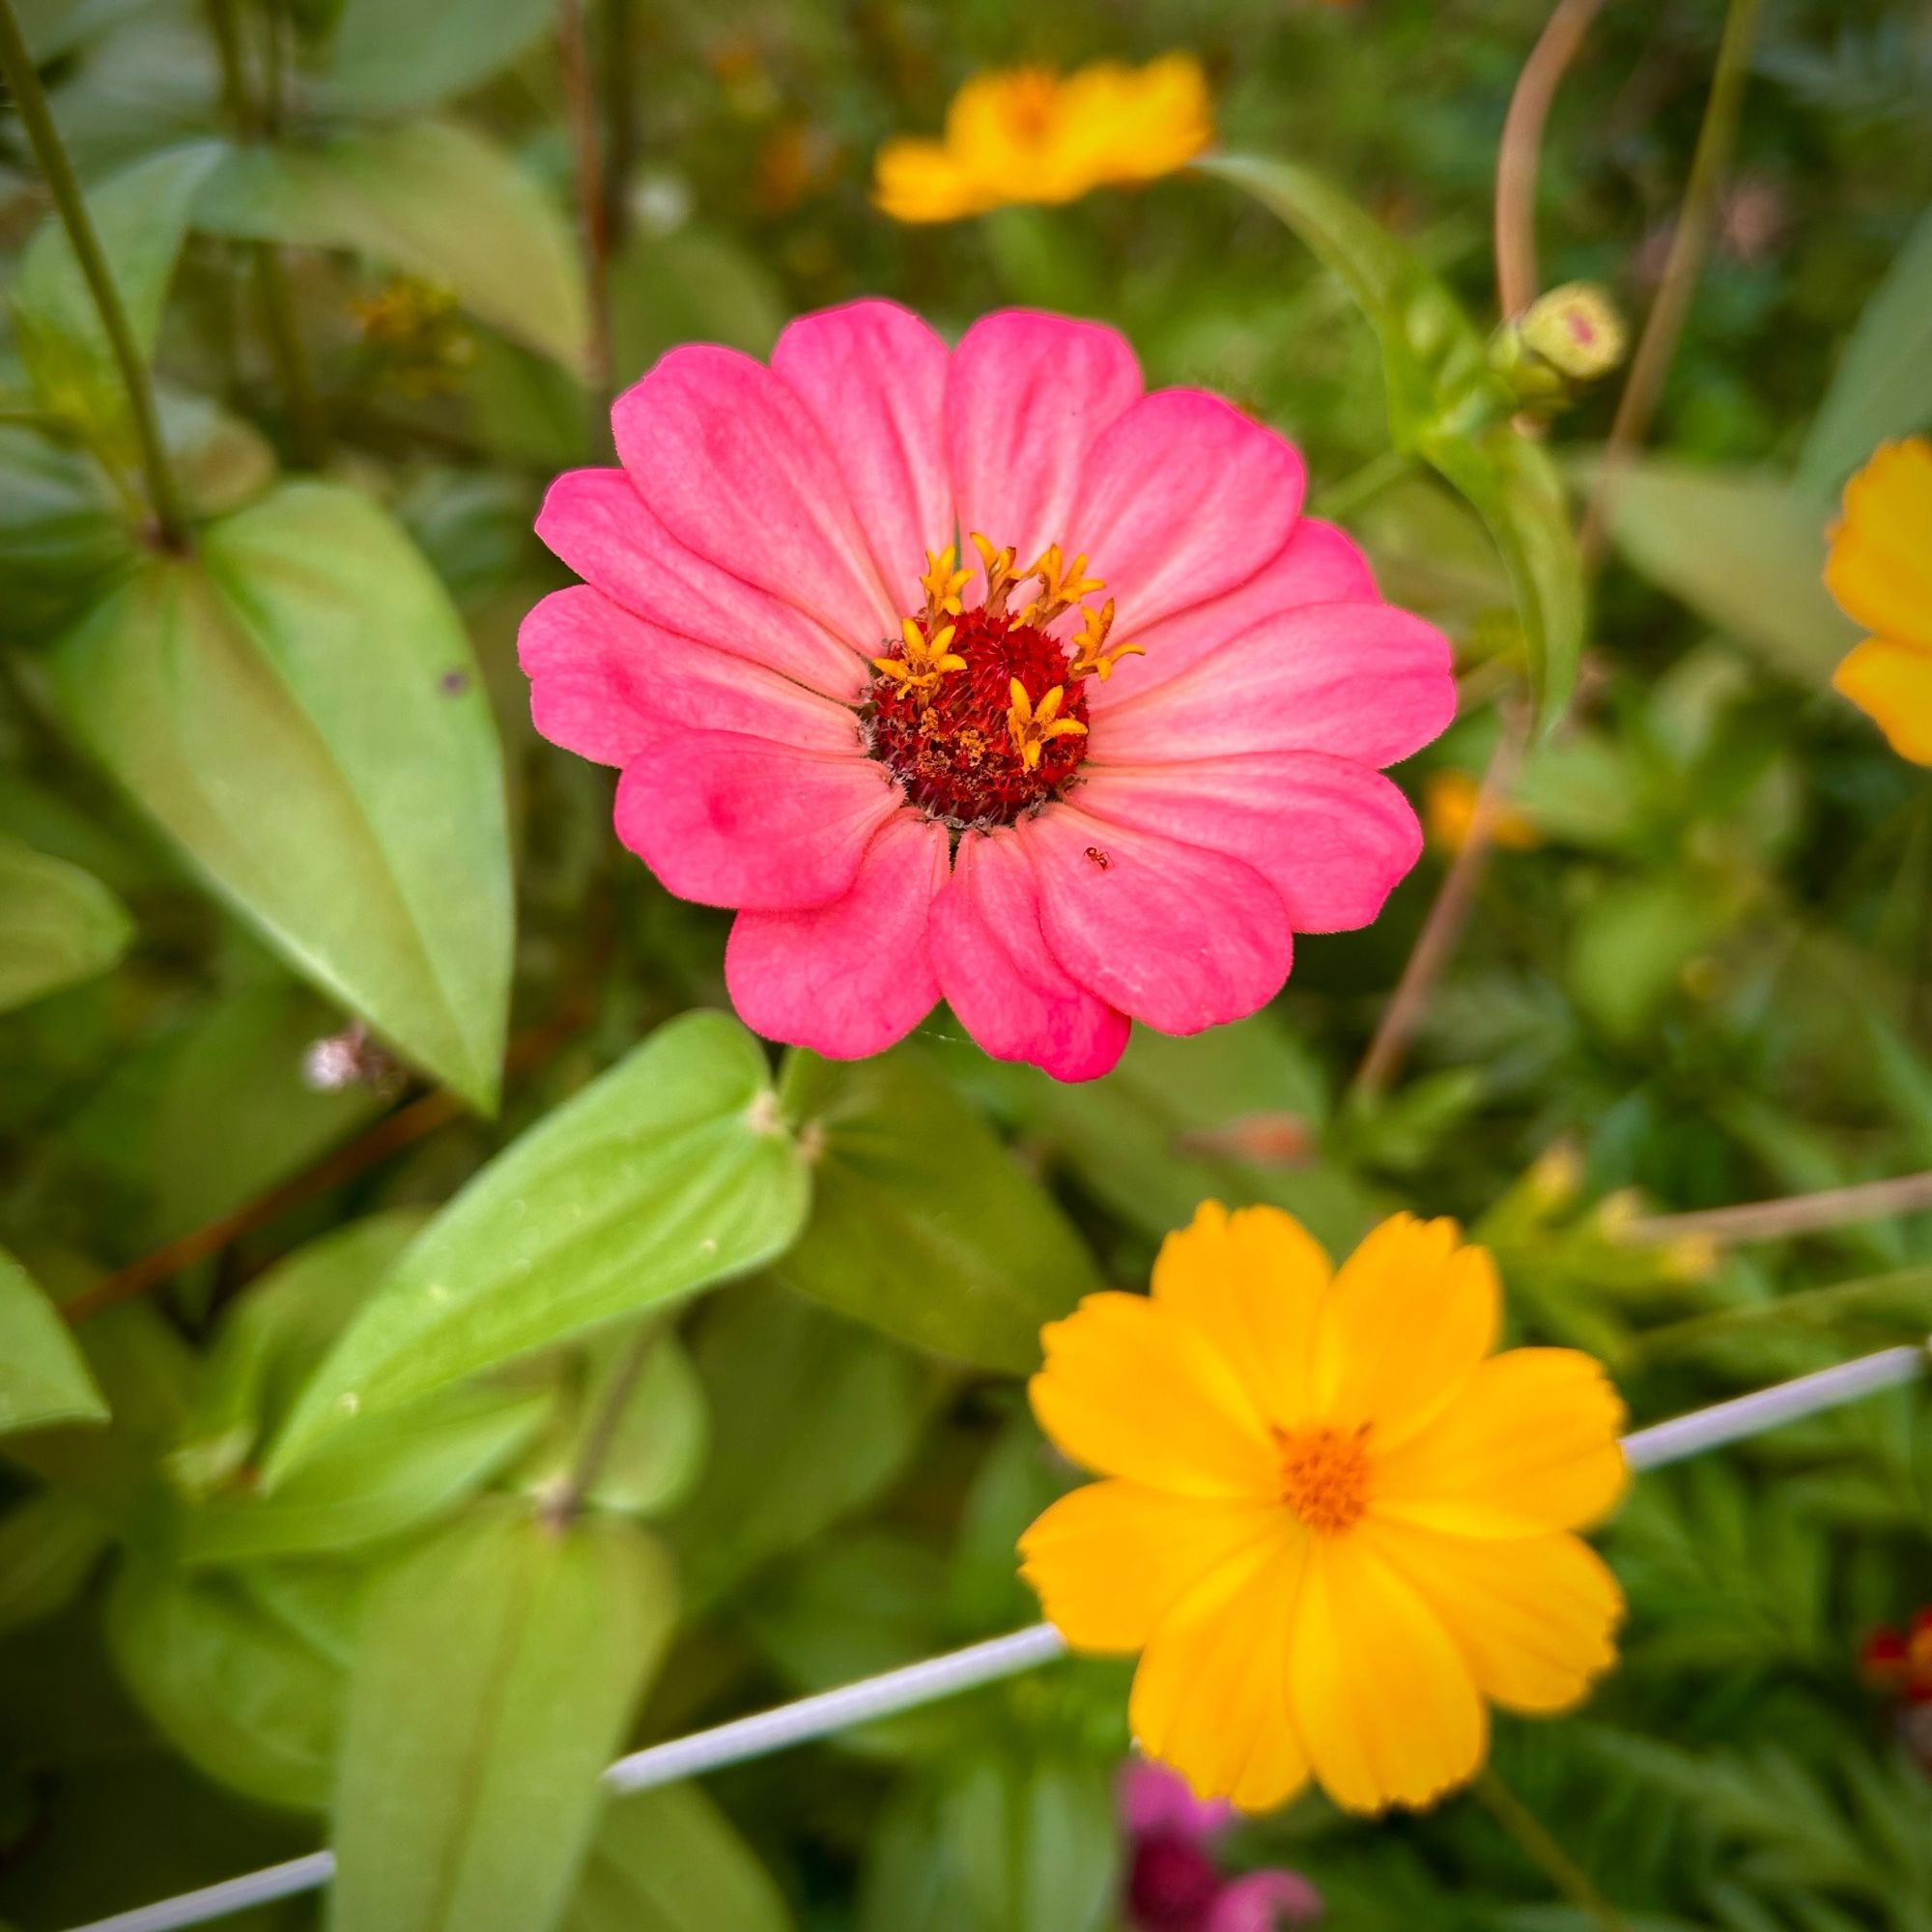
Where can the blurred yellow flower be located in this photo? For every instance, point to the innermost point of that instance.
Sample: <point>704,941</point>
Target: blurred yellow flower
<point>1028,135</point>
<point>1449,809</point>
<point>1880,570</point>
<point>1333,1523</point>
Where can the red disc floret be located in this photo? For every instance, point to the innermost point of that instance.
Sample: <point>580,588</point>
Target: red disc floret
<point>948,741</point>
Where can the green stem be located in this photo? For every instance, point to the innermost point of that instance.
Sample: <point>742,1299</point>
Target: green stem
<point>306,418</point>
<point>1813,1309</point>
<point>30,102</point>
<point>561,1509</point>
<point>1361,487</point>
<point>1543,1851</point>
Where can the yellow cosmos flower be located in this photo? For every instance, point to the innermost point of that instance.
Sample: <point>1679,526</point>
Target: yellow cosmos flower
<point>1880,570</point>
<point>1028,135</point>
<point>1333,1523</point>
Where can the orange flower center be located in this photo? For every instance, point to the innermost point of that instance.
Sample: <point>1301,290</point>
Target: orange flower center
<point>1325,1476</point>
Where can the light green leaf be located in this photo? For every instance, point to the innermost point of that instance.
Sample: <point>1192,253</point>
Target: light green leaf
<point>495,1681</point>
<point>810,1418</point>
<point>1035,1845</point>
<point>48,1545</point>
<point>670,1861</point>
<point>1746,551</point>
<point>1884,385</point>
<point>1631,944</point>
<point>386,59</point>
<point>672,1172</point>
<point>246,1690</point>
<point>297,705</point>
<point>692,286</point>
<point>42,1378</point>
<point>428,198</point>
<point>1445,406</point>
<point>922,1223</point>
<point>57,925</point>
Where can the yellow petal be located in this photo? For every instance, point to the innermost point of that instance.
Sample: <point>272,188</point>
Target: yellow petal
<point>1537,1617</point>
<point>1410,1315</point>
<point>1110,1560</point>
<point>920,180</point>
<point>1893,685</point>
<point>1211,1695</point>
<point>1382,1697</point>
<point>1130,1390</point>
<point>1880,568</point>
<point>1251,1282</point>
<point>1528,1446</point>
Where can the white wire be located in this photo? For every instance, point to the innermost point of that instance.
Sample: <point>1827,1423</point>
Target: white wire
<point>937,1677</point>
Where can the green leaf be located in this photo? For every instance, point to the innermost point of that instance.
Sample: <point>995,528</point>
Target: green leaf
<point>810,1418</point>
<point>48,1545</point>
<point>297,705</point>
<point>1884,385</point>
<point>669,1173</point>
<point>691,286</point>
<point>1630,945</point>
<point>386,59</point>
<point>495,1681</point>
<point>1746,551</point>
<point>244,1686</point>
<point>428,198</point>
<point>1445,406</point>
<point>922,1223</point>
<point>669,1861</point>
<point>42,1378</point>
<point>57,925</point>
<point>1035,1845</point>
<point>62,534</point>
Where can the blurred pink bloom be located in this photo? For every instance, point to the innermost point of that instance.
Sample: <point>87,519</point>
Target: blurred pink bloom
<point>1172,1884</point>
<point>1100,764</point>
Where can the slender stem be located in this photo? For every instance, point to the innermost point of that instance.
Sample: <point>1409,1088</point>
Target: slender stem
<point>1689,244</point>
<point>30,102</point>
<point>579,104</point>
<point>620,120</point>
<point>1443,926</point>
<point>560,1508</point>
<point>1813,1310</point>
<point>1361,487</point>
<point>1543,1851</point>
<point>1791,1214</point>
<point>1521,150</point>
<point>307,420</point>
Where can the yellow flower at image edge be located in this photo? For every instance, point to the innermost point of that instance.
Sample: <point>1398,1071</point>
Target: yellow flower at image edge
<point>1880,571</point>
<point>1334,1524</point>
<point>1028,135</point>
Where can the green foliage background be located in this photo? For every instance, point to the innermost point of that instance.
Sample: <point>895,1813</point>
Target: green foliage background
<point>281,1560</point>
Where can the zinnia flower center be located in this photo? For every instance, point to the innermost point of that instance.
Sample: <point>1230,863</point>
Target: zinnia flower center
<point>1325,1476</point>
<point>981,714</point>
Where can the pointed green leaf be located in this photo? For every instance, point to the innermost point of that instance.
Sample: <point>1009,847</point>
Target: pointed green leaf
<point>386,59</point>
<point>42,1378</point>
<point>672,1172</point>
<point>57,925</point>
<point>48,1545</point>
<point>922,1223</point>
<point>670,1861</point>
<point>495,1681</point>
<point>428,198</point>
<point>297,705</point>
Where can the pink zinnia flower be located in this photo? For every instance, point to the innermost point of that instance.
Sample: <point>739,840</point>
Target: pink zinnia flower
<point>979,675</point>
<point>1172,1884</point>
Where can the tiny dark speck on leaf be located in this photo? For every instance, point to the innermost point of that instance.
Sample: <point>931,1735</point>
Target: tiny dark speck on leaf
<point>456,682</point>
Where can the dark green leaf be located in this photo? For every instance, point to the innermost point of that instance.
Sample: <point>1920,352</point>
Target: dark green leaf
<point>494,1682</point>
<point>42,1378</point>
<point>48,1545</point>
<point>297,705</point>
<point>672,1172</point>
<point>670,1861</point>
<point>62,534</point>
<point>386,59</point>
<point>922,1223</point>
<point>57,925</point>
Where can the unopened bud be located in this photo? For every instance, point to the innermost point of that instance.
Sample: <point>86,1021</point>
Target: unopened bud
<point>1577,330</point>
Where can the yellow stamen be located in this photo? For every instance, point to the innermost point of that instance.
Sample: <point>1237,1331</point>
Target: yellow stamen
<point>998,565</point>
<point>1061,584</point>
<point>926,657</point>
<point>943,583</point>
<point>1089,658</point>
<point>1033,726</point>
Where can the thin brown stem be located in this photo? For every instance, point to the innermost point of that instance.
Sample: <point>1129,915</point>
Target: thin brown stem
<point>1690,245</point>
<point>1521,150</point>
<point>1443,926</point>
<point>30,102</point>
<point>1543,1851</point>
<point>308,421</point>
<point>579,106</point>
<point>561,1507</point>
<point>620,120</point>
<point>1792,1214</point>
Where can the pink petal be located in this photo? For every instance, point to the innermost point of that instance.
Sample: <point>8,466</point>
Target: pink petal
<point>1318,564</point>
<point>997,975</point>
<point>600,526</point>
<point>1027,395</point>
<point>1362,681</point>
<point>1183,498</point>
<point>1333,839</point>
<point>1265,1901</point>
<point>1157,1800</point>
<point>1173,934</point>
<point>728,820</point>
<point>873,377</point>
<point>732,464</point>
<point>605,684</point>
<point>850,977</point>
